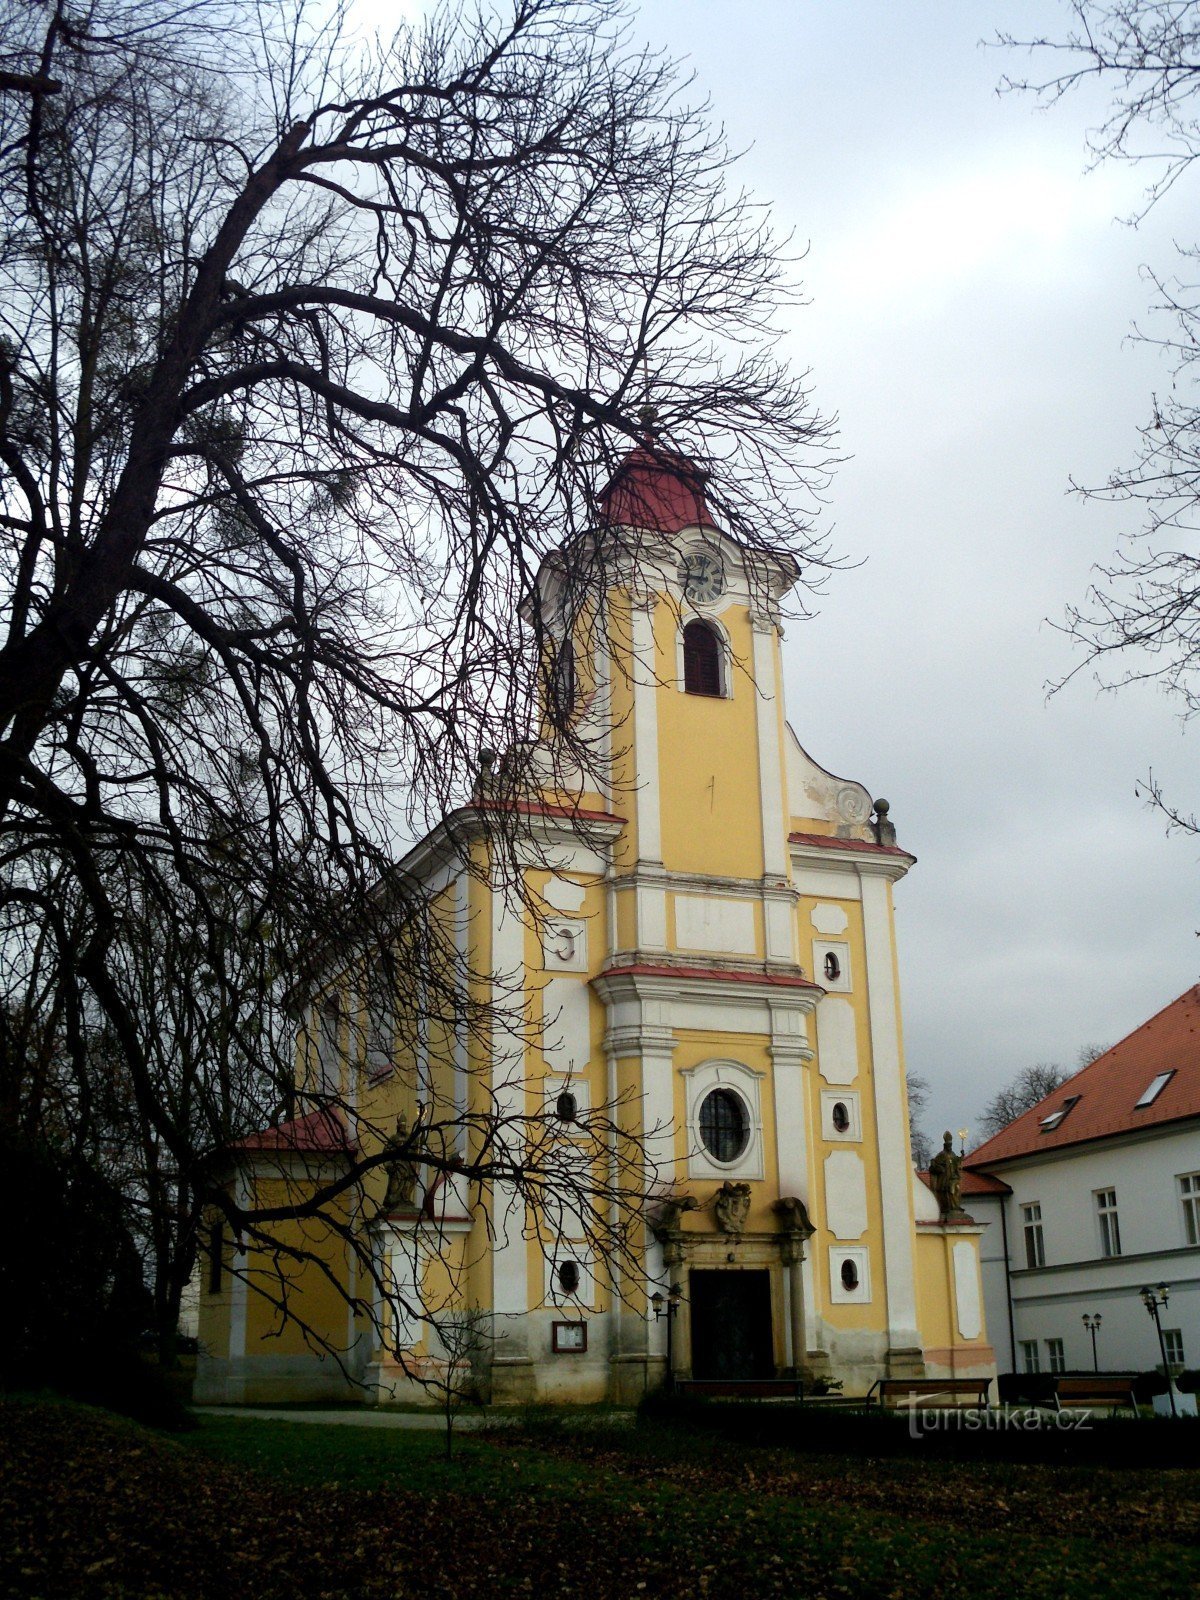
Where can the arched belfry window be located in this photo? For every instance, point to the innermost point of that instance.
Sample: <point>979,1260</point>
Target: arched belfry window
<point>563,688</point>
<point>701,659</point>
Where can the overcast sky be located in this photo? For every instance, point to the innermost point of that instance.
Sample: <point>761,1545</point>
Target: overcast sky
<point>972,296</point>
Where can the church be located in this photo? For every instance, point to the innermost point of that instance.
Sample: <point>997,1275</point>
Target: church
<point>706,934</point>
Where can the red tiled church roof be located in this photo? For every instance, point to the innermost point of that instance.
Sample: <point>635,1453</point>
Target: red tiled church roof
<point>827,841</point>
<point>320,1132</point>
<point>658,490</point>
<point>974,1183</point>
<point>1109,1088</point>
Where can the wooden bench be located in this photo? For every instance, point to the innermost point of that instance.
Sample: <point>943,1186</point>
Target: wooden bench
<point>741,1388</point>
<point>1087,1392</point>
<point>941,1394</point>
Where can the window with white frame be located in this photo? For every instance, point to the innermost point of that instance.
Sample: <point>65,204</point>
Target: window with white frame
<point>1110,1227</point>
<point>724,1120</point>
<point>1056,1357</point>
<point>1173,1345</point>
<point>1189,1194</point>
<point>1035,1246</point>
<point>1030,1359</point>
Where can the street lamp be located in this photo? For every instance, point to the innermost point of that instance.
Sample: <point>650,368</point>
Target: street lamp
<point>1092,1324</point>
<point>667,1306</point>
<point>1152,1299</point>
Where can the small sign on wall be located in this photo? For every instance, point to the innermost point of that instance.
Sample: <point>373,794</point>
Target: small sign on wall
<point>568,1338</point>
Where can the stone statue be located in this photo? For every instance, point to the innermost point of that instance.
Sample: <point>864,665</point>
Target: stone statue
<point>402,1171</point>
<point>671,1212</point>
<point>732,1206</point>
<point>945,1176</point>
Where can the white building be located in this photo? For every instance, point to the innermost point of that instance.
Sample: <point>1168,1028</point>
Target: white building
<point>1091,1195</point>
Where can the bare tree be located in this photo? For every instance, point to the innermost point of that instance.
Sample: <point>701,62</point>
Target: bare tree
<point>310,355</point>
<point>1141,619</point>
<point>1029,1086</point>
<point>918,1105</point>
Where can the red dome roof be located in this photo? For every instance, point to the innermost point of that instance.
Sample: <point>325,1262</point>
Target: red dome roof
<point>657,490</point>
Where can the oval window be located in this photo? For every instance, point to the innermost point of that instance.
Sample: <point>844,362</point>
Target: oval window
<point>833,967</point>
<point>849,1275</point>
<point>724,1125</point>
<point>567,1274</point>
<point>841,1117</point>
<point>566,1107</point>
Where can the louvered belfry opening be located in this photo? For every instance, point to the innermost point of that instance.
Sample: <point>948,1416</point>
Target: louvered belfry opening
<point>701,660</point>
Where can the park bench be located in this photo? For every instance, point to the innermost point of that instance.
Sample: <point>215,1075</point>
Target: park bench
<point>741,1388</point>
<point>1112,1392</point>
<point>942,1394</point>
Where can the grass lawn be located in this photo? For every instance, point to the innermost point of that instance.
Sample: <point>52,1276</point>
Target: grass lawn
<point>91,1505</point>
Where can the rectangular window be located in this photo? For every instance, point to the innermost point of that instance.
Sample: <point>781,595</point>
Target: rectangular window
<point>1189,1193</point>
<point>1035,1249</point>
<point>216,1257</point>
<point>1110,1228</point>
<point>1055,1355</point>
<point>1173,1340</point>
<point>1030,1361</point>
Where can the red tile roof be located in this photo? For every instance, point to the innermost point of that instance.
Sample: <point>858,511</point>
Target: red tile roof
<point>653,488</point>
<point>826,841</point>
<point>1109,1088</point>
<point>974,1183</point>
<point>648,969</point>
<point>320,1132</point>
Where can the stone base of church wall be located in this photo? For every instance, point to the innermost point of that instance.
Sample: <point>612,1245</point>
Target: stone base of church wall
<point>273,1380</point>
<point>513,1381</point>
<point>906,1362</point>
<point>961,1361</point>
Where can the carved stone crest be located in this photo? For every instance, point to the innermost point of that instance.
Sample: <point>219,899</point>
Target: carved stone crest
<point>732,1206</point>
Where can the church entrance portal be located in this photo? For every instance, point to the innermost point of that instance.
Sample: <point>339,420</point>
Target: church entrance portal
<point>731,1324</point>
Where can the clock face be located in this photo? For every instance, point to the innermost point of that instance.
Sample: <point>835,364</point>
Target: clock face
<point>702,576</point>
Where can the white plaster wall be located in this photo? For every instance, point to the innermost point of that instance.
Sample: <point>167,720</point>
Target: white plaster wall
<point>566,1041</point>
<point>837,1040</point>
<point>1050,1302</point>
<point>845,1194</point>
<point>709,922</point>
<point>966,1290</point>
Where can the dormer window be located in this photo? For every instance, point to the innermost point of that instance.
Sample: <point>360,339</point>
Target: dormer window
<point>1154,1088</point>
<point>1048,1124</point>
<point>701,660</point>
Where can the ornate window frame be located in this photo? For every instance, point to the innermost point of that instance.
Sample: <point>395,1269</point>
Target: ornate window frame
<point>744,1082</point>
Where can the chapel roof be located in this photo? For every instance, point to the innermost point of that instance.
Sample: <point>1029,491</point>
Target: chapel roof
<point>320,1132</point>
<point>1150,1078</point>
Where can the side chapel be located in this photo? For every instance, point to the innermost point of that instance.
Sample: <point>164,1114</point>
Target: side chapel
<point>719,947</point>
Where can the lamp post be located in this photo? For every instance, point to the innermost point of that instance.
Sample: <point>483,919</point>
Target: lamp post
<point>667,1306</point>
<point>1092,1324</point>
<point>1152,1299</point>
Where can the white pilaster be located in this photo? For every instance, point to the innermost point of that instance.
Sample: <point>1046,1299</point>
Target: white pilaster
<point>891,1125</point>
<point>770,762</point>
<point>651,898</point>
<point>510,1267</point>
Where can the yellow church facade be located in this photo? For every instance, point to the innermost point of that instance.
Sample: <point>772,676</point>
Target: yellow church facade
<point>704,940</point>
